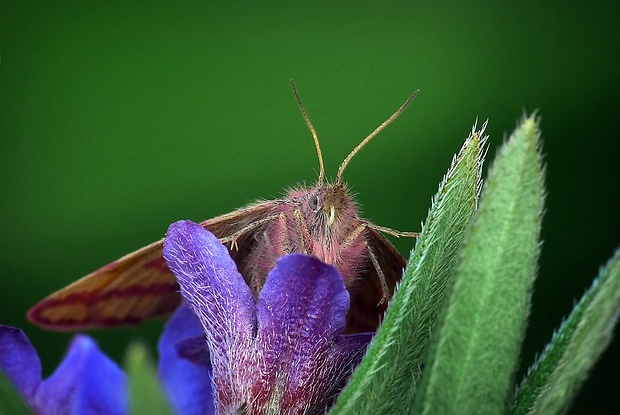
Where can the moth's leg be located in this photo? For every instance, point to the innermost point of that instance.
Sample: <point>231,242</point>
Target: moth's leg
<point>380,274</point>
<point>373,257</point>
<point>232,238</point>
<point>302,231</point>
<point>282,231</point>
<point>271,241</point>
<point>353,236</point>
<point>394,232</point>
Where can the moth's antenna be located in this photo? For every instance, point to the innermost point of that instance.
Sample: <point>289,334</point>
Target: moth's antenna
<point>374,133</point>
<point>314,136</point>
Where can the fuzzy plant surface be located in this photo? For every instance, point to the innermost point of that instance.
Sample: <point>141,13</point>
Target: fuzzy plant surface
<point>450,342</point>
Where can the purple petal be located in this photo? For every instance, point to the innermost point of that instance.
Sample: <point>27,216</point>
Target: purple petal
<point>208,277</point>
<point>303,303</point>
<point>19,361</point>
<point>188,386</point>
<point>195,350</point>
<point>221,299</point>
<point>301,313</point>
<point>314,388</point>
<point>344,357</point>
<point>86,382</point>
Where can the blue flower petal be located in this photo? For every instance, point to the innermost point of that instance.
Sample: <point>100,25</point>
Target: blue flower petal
<point>19,361</point>
<point>86,382</point>
<point>284,352</point>
<point>209,279</point>
<point>304,297</point>
<point>301,314</point>
<point>220,298</point>
<point>195,350</point>
<point>189,386</point>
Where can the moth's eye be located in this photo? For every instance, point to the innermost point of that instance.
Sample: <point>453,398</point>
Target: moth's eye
<point>313,203</point>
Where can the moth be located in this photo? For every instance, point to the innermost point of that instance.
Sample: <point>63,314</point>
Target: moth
<point>322,220</point>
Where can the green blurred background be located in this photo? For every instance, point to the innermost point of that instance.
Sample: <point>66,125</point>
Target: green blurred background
<point>118,118</point>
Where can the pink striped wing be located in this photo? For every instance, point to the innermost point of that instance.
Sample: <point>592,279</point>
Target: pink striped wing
<point>135,287</point>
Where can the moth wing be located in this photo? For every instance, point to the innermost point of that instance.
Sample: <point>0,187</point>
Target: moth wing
<point>367,309</point>
<point>243,219</point>
<point>137,286</point>
<point>126,291</point>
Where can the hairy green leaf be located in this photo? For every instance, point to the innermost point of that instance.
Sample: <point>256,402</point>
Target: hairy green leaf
<point>386,380</point>
<point>555,378</point>
<point>474,352</point>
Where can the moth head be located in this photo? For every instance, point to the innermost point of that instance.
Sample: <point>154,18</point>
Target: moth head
<point>328,201</point>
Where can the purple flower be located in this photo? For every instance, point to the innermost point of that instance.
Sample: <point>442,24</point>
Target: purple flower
<point>85,382</point>
<point>281,353</point>
<point>88,382</point>
<point>223,351</point>
<point>186,383</point>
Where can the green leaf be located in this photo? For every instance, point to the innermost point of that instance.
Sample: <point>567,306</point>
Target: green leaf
<point>385,382</point>
<point>474,353</point>
<point>555,378</point>
<point>145,394</point>
<point>11,402</point>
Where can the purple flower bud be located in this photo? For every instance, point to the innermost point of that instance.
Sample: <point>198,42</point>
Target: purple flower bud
<point>281,353</point>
